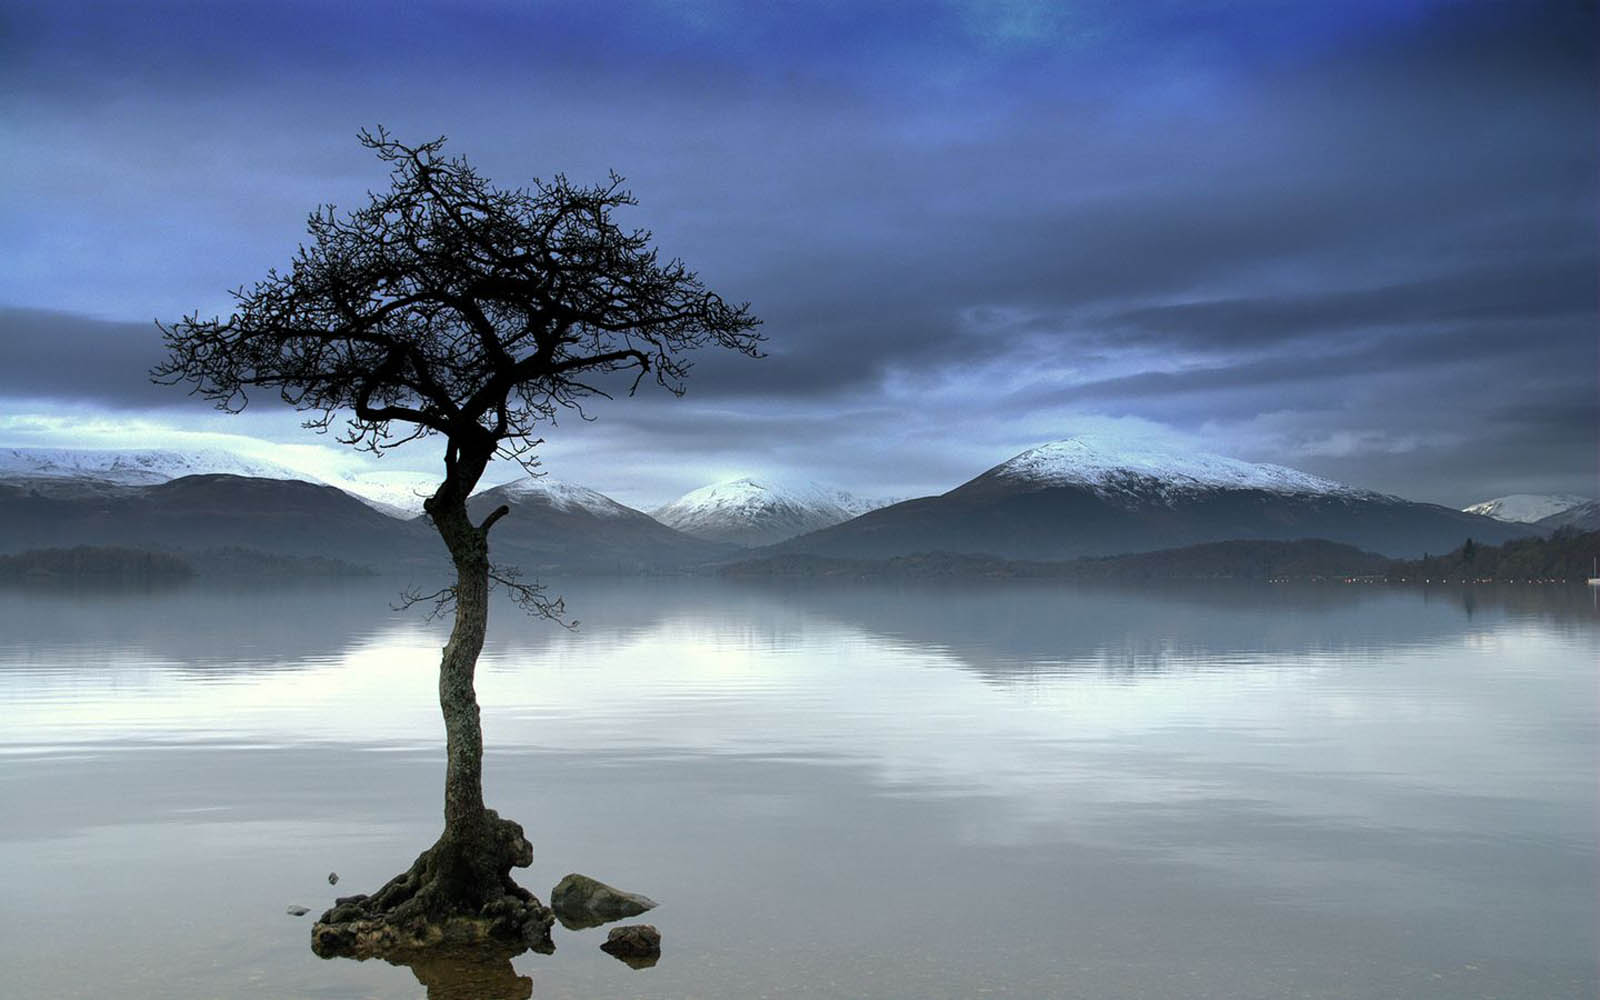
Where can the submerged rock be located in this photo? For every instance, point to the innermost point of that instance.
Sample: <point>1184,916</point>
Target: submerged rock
<point>298,911</point>
<point>333,878</point>
<point>639,945</point>
<point>580,901</point>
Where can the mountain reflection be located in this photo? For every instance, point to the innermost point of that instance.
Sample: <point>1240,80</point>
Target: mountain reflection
<point>998,629</point>
<point>1005,630</point>
<point>203,626</point>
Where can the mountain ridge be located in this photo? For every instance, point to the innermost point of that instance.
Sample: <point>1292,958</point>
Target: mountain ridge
<point>1075,497</point>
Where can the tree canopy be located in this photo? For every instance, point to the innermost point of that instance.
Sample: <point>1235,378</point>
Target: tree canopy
<point>449,306</point>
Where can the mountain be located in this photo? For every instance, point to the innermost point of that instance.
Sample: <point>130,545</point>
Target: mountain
<point>143,467</point>
<point>199,513</point>
<point>754,512</point>
<point>153,499</point>
<point>1526,508</point>
<point>398,493</point>
<point>1087,496</point>
<point>557,527</point>
<point>1583,517</point>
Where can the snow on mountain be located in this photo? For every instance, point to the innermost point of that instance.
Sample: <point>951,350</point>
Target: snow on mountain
<point>1111,468</point>
<point>1525,508</point>
<point>398,493</point>
<point>761,512</point>
<point>401,494</point>
<point>561,496</point>
<point>1105,496</point>
<point>1584,517</point>
<point>143,467</point>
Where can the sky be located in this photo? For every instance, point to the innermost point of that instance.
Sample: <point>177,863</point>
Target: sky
<point>1355,238</point>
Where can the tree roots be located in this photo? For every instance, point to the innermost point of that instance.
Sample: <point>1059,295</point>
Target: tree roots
<point>458,893</point>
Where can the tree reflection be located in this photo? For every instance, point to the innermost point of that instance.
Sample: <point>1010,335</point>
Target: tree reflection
<point>468,973</point>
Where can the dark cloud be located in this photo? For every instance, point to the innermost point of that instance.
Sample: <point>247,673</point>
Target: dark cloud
<point>1517,291</point>
<point>1338,223</point>
<point>53,355</point>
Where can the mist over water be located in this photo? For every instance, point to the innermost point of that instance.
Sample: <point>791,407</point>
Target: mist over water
<point>1028,790</point>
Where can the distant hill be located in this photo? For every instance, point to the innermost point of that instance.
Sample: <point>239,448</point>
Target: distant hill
<point>1088,497</point>
<point>553,527</point>
<point>1308,559</point>
<point>1073,498</point>
<point>197,513</point>
<point>752,512</point>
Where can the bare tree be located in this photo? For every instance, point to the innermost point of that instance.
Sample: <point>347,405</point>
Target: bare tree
<point>447,306</point>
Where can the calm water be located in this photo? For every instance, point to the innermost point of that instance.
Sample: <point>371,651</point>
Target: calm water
<point>1028,791</point>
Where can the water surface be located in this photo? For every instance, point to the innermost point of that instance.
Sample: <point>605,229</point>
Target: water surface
<point>1035,791</point>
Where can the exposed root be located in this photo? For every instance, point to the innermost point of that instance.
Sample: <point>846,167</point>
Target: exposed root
<point>458,893</point>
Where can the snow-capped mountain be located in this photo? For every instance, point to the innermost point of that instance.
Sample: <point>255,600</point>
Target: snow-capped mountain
<point>561,496</point>
<point>1115,469</point>
<point>1582,517</point>
<point>1092,496</point>
<point>143,467</point>
<point>755,512</point>
<point>402,494</point>
<point>562,527</point>
<point>1526,508</point>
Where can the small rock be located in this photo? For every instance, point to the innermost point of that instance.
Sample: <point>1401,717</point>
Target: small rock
<point>298,911</point>
<point>333,878</point>
<point>639,945</point>
<point>580,901</point>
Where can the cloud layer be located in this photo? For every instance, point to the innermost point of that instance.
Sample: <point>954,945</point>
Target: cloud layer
<point>1354,238</point>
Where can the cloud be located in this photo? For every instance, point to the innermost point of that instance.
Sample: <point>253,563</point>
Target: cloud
<point>61,355</point>
<point>964,223</point>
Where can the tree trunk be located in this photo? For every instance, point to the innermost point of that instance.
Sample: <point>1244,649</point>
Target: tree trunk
<point>460,890</point>
<point>458,700</point>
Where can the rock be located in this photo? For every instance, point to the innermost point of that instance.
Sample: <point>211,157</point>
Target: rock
<point>639,945</point>
<point>580,901</point>
<point>333,878</point>
<point>457,894</point>
<point>298,911</point>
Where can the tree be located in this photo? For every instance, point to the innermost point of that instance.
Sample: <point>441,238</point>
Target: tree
<point>449,307</point>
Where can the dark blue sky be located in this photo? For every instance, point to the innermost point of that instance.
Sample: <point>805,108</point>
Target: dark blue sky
<point>1358,238</point>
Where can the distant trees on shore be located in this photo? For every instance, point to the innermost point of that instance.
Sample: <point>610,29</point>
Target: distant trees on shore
<point>1567,555</point>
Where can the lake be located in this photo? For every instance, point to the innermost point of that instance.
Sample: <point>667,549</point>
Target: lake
<point>1033,791</point>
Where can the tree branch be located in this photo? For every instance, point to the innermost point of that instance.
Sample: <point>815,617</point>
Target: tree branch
<point>497,514</point>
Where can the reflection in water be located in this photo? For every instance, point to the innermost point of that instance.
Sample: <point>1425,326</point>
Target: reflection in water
<point>470,974</point>
<point>638,961</point>
<point>994,628</point>
<point>1329,792</point>
<point>1007,631</point>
